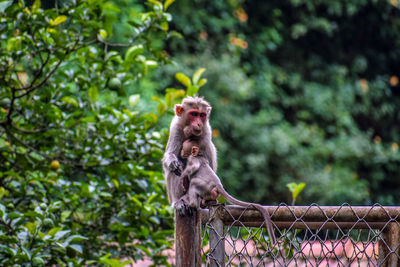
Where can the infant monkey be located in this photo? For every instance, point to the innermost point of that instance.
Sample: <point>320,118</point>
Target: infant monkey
<point>204,185</point>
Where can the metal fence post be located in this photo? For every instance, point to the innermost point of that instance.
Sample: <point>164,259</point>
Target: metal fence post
<point>188,240</point>
<point>389,246</point>
<point>217,239</point>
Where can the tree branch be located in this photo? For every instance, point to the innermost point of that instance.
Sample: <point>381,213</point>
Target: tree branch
<point>24,131</point>
<point>35,78</point>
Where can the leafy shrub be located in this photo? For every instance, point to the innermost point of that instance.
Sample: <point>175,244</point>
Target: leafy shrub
<point>301,92</point>
<point>80,179</point>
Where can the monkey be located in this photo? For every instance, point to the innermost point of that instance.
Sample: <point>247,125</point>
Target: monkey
<point>205,185</point>
<point>191,147</point>
<point>191,119</point>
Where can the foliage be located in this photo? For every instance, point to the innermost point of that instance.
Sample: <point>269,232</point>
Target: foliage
<point>302,91</point>
<point>295,189</point>
<point>80,175</point>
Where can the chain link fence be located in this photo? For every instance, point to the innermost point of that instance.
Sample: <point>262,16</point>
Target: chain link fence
<point>306,236</point>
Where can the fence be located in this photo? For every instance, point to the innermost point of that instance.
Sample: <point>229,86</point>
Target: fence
<point>306,236</point>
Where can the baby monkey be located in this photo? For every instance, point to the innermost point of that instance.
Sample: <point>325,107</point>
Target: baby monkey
<point>204,186</point>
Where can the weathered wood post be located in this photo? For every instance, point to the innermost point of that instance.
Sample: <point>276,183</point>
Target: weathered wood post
<point>188,240</point>
<point>389,247</point>
<point>217,238</point>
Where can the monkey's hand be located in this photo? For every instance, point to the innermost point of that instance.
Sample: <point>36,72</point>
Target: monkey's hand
<point>178,170</point>
<point>175,166</point>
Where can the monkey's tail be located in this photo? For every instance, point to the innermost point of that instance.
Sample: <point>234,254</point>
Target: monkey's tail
<point>268,222</point>
<point>261,209</point>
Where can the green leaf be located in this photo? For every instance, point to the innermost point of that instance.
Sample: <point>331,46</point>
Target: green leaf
<point>134,199</point>
<point>151,64</point>
<point>155,98</point>
<point>156,3</point>
<point>2,193</point>
<point>27,252</point>
<point>173,95</point>
<point>110,6</point>
<point>298,189</point>
<point>14,44</point>
<point>2,211</point>
<point>102,35</point>
<point>175,34</point>
<point>105,194</point>
<point>115,182</point>
<point>75,238</point>
<point>31,226</point>
<point>202,82</point>
<point>94,2</point>
<point>89,119</point>
<point>167,3</point>
<point>183,79</point>
<point>65,215</point>
<point>10,251</point>
<point>221,199</point>
<point>295,189</point>
<point>36,6</point>
<point>59,235</point>
<point>164,25</point>
<point>38,261</point>
<point>192,90</point>
<point>197,75</point>
<point>58,20</point>
<point>76,247</point>
<point>70,101</point>
<point>54,231</point>
<point>93,93</point>
<point>150,119</point>
<point>5,4</point>
<point>132,52</point>
<point>161,108</point>
<point>134,100</point>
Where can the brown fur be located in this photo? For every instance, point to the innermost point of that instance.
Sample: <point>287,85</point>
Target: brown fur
<point>172,166</point>
<point>205,185</point>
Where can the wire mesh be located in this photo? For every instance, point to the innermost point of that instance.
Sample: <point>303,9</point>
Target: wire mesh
<point>306,236</point>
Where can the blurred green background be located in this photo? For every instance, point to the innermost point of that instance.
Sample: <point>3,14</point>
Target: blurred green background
<point>302,92</point>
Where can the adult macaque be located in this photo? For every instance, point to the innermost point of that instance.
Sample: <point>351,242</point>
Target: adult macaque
<point>191,119</point>
<point>205,185</point>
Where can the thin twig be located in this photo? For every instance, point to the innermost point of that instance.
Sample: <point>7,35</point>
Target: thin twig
<point>42,82</point>
<point>9,133</point>
<point>35,78</point>
<point>30,131</point>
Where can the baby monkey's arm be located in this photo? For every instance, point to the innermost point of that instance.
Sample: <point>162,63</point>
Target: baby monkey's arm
<point>193,164</point>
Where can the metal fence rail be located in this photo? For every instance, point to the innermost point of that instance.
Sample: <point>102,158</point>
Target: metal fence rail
<point>306,236</point>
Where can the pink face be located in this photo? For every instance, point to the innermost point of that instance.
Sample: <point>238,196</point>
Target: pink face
<point>197,118</point>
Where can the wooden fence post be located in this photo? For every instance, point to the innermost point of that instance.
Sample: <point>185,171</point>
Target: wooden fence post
<point>188,240</point>
<point>217,238</point>
<point>389,246</point>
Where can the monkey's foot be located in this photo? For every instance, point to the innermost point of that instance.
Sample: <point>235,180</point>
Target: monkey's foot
<point>183,209</point>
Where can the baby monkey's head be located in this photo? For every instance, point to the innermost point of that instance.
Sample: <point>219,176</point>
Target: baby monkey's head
<point>189,147</point>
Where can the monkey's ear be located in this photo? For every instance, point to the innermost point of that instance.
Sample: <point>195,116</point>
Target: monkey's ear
<point>178,110</point>
<point>208,109</point>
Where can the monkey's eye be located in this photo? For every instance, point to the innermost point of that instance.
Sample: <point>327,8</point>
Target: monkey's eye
<point>194,113</point>
<point>202,115</point>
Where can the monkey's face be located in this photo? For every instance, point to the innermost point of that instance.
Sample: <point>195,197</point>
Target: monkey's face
<point>187,147</point>
<point>196,119</point>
